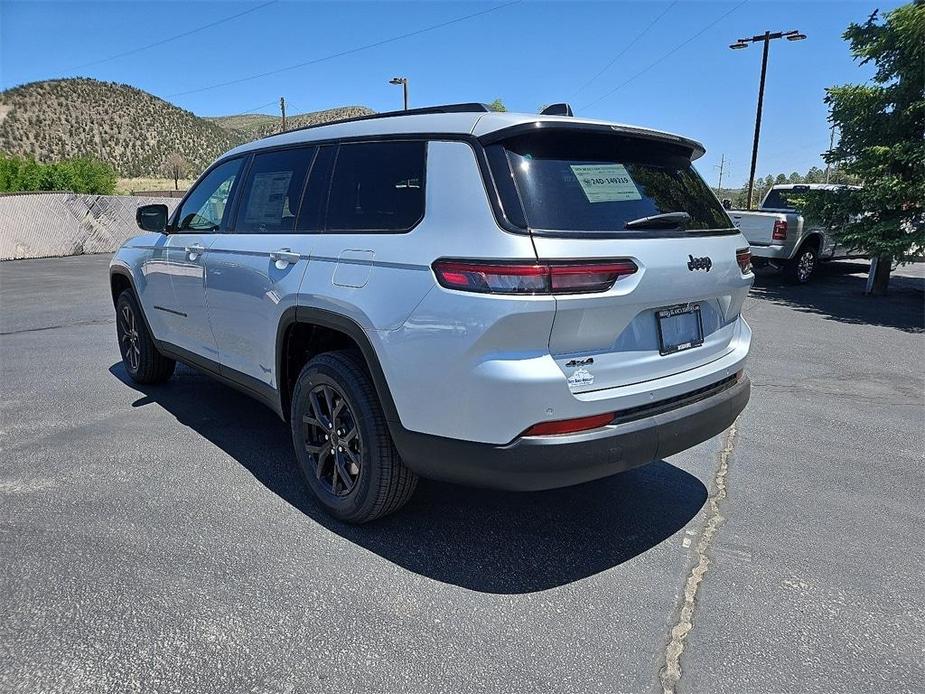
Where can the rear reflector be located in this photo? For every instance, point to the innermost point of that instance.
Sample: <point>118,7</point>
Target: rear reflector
<point>569,426</point>
<point>489,277</point>
<point>744,259</point>
<point>780,230</point>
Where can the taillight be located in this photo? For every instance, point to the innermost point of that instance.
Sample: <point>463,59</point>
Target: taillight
<point>569,426</point>
<point>744,259</point>
<point>780,230</point>
<point>565,277</point>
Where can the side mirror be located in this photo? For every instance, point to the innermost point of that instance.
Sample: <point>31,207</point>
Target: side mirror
<point>727,204</point>
<point>152,218</point>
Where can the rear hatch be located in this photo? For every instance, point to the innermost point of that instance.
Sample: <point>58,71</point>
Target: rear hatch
<point>582,194</point>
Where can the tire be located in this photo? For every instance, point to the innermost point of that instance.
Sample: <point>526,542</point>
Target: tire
<point>140,357</point>
<point>801,268</point>
<point>348,460</point>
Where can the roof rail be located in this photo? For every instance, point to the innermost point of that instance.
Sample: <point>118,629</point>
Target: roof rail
<point>446,108</point>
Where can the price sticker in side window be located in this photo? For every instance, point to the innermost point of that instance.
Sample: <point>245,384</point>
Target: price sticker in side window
<point>605,182</point>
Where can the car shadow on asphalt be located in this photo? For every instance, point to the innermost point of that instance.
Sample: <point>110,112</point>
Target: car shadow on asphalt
<point>489,541</point>
<point>836,292</point>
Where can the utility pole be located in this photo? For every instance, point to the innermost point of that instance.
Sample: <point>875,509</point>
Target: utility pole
<point>828,165</point>
<point>766,39</point>
<point>721,167</point>
<point>282,110</point>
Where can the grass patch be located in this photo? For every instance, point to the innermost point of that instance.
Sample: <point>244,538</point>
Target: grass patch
<point>127,186</point>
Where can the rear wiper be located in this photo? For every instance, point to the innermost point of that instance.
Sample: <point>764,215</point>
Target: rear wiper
<point>668,220</point>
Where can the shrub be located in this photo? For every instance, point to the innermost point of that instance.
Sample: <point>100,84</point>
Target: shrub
<point>79,175</point>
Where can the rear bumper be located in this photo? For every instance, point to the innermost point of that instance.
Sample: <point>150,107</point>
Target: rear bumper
<point>546,462</point>
<point>779,252</point>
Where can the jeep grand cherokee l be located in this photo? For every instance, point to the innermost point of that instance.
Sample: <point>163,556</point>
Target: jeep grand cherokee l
<point>506,300</point>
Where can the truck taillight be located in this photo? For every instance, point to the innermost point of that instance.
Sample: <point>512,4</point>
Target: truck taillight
<point>493,277</point>
<point>744,259</point>
<point>780,230</point>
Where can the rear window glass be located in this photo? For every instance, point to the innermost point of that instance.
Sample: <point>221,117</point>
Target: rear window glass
<point>788,198</point>
<point>569,181</point>
<point>377,187</point>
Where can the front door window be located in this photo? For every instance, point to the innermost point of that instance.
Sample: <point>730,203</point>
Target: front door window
<point>206,208</point>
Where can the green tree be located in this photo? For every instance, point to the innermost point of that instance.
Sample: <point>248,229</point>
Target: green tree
<point>79,175</point>
<point>882,126</point>
<point>814,175</point>
<point>497,105</point>
<point>91,176</point>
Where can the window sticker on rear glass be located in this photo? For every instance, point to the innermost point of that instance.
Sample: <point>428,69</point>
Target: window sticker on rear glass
<point>606,182</point>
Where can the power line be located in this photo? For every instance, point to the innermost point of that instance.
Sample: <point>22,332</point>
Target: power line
<point>628,46</point>
<point>250,111</point>
<point>295,110</point>
<point>257,108</point>
<point>349,51</point>
<point>173,38</point>
<point>666,55</point>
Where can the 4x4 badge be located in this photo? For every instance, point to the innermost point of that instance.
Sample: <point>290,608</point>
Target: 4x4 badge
<point>699,263</point>
<point>580,362</point>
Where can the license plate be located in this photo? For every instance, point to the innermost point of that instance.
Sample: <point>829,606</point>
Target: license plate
<point>679,328</point>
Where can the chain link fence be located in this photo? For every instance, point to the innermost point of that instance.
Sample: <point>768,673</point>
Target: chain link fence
<point>42,225</point>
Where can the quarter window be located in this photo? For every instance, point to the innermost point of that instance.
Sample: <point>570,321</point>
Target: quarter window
<point>272,191</point>
<point>206,208</point>
<point>377,187</point>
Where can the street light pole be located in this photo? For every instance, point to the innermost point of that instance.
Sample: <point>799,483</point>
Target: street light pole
<point>764,72</point>
<point>403,81</point>
<point>766,39</point>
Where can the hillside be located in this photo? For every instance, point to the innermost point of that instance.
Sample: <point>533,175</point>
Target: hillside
<point>126,127</point>
<point>255,125</point>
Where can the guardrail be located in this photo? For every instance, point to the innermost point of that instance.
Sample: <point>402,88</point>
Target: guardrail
<point>42,225</point>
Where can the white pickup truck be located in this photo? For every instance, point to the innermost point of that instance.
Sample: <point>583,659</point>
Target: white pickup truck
<point>779,236</point>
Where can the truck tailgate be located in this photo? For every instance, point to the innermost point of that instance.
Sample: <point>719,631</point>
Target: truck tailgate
<point>757,227</point>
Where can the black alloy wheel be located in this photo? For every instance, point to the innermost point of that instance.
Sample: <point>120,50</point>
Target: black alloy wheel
<point>143,362</point>
<point>129,339</point>
<point>342,440</point>
<point>332,440</point>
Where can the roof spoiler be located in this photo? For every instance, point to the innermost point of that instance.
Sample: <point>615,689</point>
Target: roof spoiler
<point>696,149</point>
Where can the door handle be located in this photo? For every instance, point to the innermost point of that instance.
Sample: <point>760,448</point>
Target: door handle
<point>284,257</point>
<point>195,250</point>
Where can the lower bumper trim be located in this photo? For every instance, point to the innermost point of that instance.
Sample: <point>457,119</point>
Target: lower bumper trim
<point>547,462</point>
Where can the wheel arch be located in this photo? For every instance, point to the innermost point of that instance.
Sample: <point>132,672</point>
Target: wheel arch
<point>813,238</point>
<point>120,279</point>
<point>297,319</point>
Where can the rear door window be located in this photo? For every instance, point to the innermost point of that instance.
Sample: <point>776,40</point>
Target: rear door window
<point>272,191</point>
<point>315,197</point>
<point>377,187</point>
<point>596,183</point>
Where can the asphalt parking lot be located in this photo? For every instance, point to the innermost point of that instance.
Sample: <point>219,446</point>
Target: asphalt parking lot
<point>158,539</point>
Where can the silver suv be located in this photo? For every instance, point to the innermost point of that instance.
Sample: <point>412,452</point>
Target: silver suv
<point>495,299</point>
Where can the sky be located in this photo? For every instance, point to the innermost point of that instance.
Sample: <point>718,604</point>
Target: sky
<point>661,63</point>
